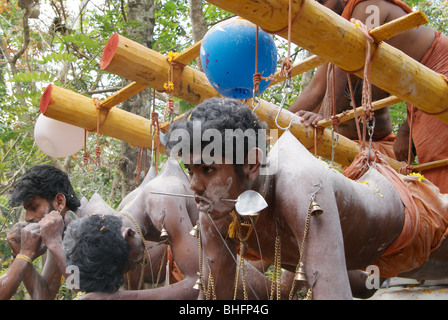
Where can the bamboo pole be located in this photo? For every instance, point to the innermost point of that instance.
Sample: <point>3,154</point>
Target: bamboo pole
<point>73,108</point>
<point>383,103</point>
<point>397,26</point>
<point>116,59</point>
<point>122,95</point>
<point>133,61</point>
<point>430,165</point>
<point>299,68</point>
<point>328,35</point>
<point>189,54</point>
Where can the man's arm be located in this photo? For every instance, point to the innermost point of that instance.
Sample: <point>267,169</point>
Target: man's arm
<point>340,83</point>
<point>401,145</point>
<point>46,286</point>
<point>10,281</point>
<point>312,95</point>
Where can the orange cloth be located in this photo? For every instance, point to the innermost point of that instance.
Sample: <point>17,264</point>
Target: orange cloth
<point>348,10</point>
<point>174,272</point>
<point>425,222</point>
<point>430,135</point>
<point>385,145</point>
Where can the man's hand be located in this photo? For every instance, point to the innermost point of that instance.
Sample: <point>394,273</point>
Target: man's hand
<point>309,118</point>
<point>31,241</point>
<point>13,236</point>
<point>51,228</point>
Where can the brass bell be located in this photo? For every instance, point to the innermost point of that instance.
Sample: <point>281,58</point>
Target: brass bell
<point>300,273</point>
<point>198,284</point>
<point>315,209</point>
<point>163,234</point>
<point>195,231</point>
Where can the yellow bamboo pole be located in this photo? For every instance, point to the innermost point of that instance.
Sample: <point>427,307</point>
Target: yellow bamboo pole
<point>383,103</point>
<point>116,60</point>
<point>133,61</point>
<point>430,165</point>
<point>73,108</point>
<point>122,95</point>
<point>328,35</point>
<point>397,26</point>
<point>299,68</point>
<point>189,54</point>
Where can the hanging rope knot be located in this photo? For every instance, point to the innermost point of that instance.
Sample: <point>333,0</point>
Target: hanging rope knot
<point>169,107</point>
<point>336,119</point>
<point>287,67</point>
<point>99,124</point>
<point>98,155</point>
<point>154,118</point>
<point>257,78</point>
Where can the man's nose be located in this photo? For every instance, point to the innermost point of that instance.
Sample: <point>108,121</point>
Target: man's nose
<point>196,184</point>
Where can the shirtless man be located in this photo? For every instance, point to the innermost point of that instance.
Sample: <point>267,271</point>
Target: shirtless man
<point>148,213</point>
<point>177,215</point>
<point>49,200</point>
<point>336,241</point>
<point>424,45</point>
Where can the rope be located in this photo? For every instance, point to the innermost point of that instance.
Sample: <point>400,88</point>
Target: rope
<point>289,16</point>
<point>99,124</point>
<point>257,77</point>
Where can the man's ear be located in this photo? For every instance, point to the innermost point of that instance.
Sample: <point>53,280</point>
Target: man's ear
<point>60,202</point>
<point>253,163</point>
<point>128,234</point>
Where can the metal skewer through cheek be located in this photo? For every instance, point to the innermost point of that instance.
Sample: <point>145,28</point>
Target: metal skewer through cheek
<point>249,203</point>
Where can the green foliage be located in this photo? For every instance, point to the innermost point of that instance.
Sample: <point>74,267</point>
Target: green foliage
<point>398,115</point>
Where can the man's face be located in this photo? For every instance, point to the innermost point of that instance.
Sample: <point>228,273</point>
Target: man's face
<point>137,250</point>
<point>335,5</point>
<point>211,183</point>
<point>36,208</point>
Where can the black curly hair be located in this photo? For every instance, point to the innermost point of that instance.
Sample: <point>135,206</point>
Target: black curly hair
<point>97,247</point>
<point>239,129</point>
<point>44,181</point>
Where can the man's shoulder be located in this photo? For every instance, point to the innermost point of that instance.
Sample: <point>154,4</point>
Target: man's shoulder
<point>373,9</point>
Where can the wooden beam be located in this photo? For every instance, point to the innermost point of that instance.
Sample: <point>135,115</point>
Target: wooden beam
<point>397,26</point>
<point>133,61</point>
<point>338,41</point>
<point>383,103</point>
<point>299,68</point>
<point>430,165</point>
<point>194,87</point>
<point>73,108</point>
<point>122,95</point>
<point>189,54</point>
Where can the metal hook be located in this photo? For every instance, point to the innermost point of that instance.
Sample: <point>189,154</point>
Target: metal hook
<point>288,90</point>
<point>255,101</point>
<point>334,143</point>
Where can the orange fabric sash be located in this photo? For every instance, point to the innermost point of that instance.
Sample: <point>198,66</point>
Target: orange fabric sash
<point>430,134</point>
<point>426,217</point>
<point>348,10</point>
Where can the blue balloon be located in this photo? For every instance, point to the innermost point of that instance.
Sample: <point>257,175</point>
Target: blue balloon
<point>228,57</point>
